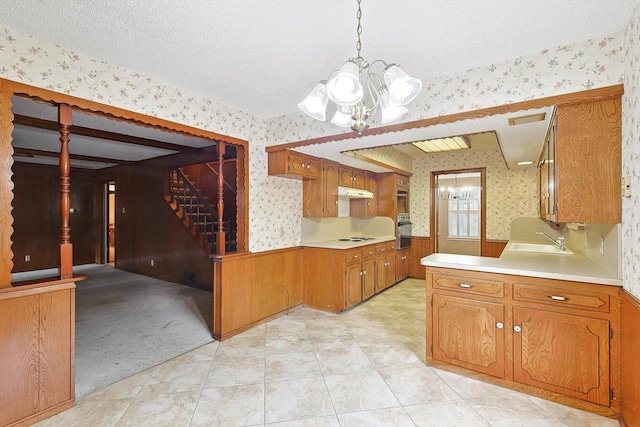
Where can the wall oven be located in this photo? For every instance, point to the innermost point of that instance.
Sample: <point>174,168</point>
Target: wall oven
<point>403,239</point>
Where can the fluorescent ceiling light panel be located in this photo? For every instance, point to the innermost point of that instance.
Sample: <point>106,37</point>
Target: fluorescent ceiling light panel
<point>527,119</point>
<point>443,144</point>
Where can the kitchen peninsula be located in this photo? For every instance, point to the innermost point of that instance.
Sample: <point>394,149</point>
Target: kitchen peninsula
<point>546,324</point>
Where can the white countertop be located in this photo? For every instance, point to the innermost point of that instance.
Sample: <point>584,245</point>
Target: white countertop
<point>574,267</point>
<point>337,244</point>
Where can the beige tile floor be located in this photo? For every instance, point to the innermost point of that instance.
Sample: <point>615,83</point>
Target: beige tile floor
<point>364,367</point>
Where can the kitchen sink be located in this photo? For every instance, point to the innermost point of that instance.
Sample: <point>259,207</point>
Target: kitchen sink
<point>539,248</point>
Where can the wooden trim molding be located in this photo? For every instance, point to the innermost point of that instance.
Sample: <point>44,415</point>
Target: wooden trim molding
<point>569,98</point>
<point>10,88</point>
<point>630,362</point>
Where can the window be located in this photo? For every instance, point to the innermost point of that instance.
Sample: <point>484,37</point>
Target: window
<point>464,213</point>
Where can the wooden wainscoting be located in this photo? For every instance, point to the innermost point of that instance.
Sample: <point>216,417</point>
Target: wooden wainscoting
<point>630,362</point>
<point>494,248</point>
<point>37,361</point>
<point>253,288</point>
<point>420,248</point>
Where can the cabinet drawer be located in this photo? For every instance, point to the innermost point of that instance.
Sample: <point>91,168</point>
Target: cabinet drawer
<point>562,298</point>
<point>391,246</point>
<point>381,248</point>
<point>368,252</point>
<point>467,285</point>
<point>353,255</point>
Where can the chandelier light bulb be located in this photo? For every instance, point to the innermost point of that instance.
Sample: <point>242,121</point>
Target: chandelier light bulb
<point>343,117</point>
<point>345,87</point>
<point>402,88</point>
<point>315,104</point>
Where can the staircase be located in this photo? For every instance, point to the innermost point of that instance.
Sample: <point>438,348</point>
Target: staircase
<point>194,210</point>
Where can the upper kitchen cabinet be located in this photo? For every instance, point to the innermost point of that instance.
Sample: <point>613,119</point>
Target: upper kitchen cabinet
<point>581,167</point>
<point>366,207</point>
<point>349,177</point>
<point>320,196</point>
<point>290,164</point>
<point>393,194</point>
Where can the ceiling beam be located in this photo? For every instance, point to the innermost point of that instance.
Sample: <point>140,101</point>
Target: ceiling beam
<point>31,152</point>
<point>101,134</point>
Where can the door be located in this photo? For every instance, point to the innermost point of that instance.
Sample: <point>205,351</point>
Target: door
<point>458,212</point>
<point>110,223</point>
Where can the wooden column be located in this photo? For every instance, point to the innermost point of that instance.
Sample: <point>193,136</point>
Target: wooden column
<point>220,235</point>
<point>6,186</point>
<point>66,248</point>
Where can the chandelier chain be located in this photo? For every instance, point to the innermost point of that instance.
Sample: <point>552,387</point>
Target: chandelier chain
<point>359,29</point>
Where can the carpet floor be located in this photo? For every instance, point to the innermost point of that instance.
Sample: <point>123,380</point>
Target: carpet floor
<point>126,323</point>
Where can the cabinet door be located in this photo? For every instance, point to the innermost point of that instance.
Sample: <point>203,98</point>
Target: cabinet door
<point>353,285</point>
<point>345,178</point>
<point>330,194</point>
<point>589,162</point>
<point>368,278</point>
<point>381,273</point>
<point>402,265</point>
<point>357,179</point>
<point>302,165</point>
<point>391,269</point>
<point>469,333</point>
<point>562,353</point>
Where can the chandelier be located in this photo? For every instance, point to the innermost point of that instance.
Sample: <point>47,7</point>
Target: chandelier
<point>345,87</point>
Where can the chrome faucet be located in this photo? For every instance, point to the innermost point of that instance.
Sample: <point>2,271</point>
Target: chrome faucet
<point>559,242</point>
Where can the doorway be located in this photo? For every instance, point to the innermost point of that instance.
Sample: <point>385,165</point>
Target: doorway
<point>110,223</point>
<point>458,215</point>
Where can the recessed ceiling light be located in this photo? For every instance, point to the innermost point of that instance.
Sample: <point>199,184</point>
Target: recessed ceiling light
<point>532,118</point>
<point>443,144</point>
<point>526,163</point>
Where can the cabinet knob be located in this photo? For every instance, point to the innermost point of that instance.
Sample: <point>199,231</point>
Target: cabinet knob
<point>557,298</point>
<point>517,328</point>
<point>308,166</point>
<point>364,272</point>
<point>361,273</point>
<point>303,165</point>
<point>499,325</point>
<point>465,285</point>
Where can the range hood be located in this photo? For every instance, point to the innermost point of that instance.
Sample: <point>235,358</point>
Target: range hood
<point>354,193</point>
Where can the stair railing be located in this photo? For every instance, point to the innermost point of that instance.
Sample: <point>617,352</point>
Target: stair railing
<point>200,207</point>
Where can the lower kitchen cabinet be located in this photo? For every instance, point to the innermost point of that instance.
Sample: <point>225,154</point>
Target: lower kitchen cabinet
<point>555,339</point>
<point>385,266</point>
<point>335,279</point>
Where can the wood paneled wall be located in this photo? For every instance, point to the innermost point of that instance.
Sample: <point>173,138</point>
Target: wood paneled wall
<point>420,248</point>
<point>147,229</point>
<point>252,288</point>
<point>630,361</point>
<point>494,248</point>
<point>36,216</point>
<point>37,361</point>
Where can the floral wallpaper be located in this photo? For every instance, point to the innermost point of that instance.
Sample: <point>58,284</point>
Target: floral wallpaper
<point>557,70</point>
<point>509,194</point>
<point>275,203</point>
<point>631,157</point>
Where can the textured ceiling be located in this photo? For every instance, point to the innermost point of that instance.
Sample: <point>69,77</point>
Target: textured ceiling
<point>264,56</point>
